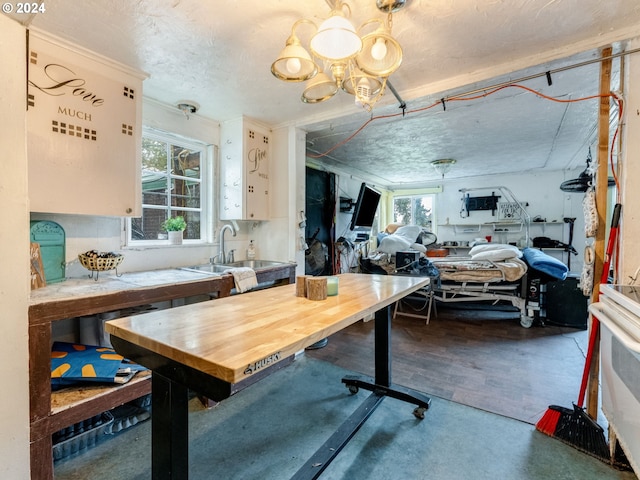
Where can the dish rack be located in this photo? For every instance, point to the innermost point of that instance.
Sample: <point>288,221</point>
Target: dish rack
<point>79,436</point>
<point>97,262</point>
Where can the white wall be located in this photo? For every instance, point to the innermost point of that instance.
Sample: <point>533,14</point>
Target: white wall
<point>541,191</point>
<point>14,256</point>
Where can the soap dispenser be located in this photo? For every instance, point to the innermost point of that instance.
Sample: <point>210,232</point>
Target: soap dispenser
<point>251,251</point>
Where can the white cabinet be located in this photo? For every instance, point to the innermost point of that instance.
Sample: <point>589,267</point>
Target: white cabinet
<point>83,130</point>
<point>245,155</point>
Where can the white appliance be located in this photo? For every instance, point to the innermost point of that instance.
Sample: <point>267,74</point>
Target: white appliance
<point>619,313</point>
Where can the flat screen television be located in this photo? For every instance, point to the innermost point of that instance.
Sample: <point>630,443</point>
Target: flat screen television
<point>365,207</point>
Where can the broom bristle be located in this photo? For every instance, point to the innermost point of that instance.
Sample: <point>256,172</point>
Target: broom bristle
<point>549,421</point>
<point>579,429</point>
<point>576,428</point>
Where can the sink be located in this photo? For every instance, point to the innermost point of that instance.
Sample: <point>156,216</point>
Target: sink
<point>255,264</point>
<point>207,268</point>
<point>217,269</point>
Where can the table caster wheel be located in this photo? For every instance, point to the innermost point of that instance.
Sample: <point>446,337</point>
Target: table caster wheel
<point>418,412</point>
<point>353,389</point>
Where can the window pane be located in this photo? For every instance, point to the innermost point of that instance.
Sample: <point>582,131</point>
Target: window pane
<point>154,188</point>
<point>414,210</point>
<point>149,226</point>
<point>193,223</point>
<point>422,212</point>
<point>154,155</point>
<point>402,210</point>
<point>184,162</point>
<point>185,193</point>
<point>172,176</point>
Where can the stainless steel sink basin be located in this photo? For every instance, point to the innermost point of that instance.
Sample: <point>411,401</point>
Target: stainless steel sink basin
<point>207,268</point>
<point>255,264</point>
<point>217,269</point>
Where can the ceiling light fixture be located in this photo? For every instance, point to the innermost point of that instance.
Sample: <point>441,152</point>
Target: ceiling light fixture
<point>443,165</point>
<point>357,61</point>
<point>187,107</point>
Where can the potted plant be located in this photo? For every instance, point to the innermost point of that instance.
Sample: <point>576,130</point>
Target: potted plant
<point>174,226</point>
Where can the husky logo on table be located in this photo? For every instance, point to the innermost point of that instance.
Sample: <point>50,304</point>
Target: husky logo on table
<point>254,367</point>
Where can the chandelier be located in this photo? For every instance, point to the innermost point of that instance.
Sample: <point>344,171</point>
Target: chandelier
<point>356,61</point>
<point>443,165</point>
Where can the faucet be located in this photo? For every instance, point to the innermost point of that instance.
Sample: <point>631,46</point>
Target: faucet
<point>221,257</point>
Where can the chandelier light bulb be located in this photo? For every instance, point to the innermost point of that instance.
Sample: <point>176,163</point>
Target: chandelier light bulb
<point>293,65</point>
<point>363,89</point>
<point>379,49</point>
<point>363,93</point>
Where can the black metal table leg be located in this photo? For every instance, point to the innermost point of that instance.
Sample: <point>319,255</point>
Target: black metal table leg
<point>320,460</point>
<point>382,345</point>
<point>169,429</point>
<point>380,387</point>
<point>382,381</point>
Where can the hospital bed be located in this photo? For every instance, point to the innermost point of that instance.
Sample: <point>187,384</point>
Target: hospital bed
<point>493,272</point>
<point>476,279</point>
<point>464,279</point>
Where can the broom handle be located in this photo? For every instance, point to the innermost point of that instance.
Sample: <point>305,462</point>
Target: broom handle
<point>595,323</point>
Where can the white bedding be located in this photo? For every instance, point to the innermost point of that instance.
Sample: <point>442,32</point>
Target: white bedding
<point>466,269</point>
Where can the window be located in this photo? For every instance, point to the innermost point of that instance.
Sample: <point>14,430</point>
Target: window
<point>414,210</point>
<point>174,173</point>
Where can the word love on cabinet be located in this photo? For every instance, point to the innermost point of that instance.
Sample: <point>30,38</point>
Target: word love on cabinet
<point>84,131</point>
<point>245,153</point>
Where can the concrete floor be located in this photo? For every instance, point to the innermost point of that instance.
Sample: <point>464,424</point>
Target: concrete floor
<point>270,429</point>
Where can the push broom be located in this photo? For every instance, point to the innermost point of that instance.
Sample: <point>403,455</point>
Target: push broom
<point>574,426</point>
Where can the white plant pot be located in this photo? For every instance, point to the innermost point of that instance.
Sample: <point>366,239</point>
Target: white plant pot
<point>175,238</point>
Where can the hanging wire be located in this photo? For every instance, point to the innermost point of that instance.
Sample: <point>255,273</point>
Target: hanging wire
<point>463,98</point>
<point>490,90</point>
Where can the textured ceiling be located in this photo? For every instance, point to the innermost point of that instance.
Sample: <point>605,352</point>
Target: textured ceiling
<point>218,54</point>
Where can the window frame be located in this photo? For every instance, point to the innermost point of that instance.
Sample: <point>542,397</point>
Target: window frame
<point>207,190</point>
<point>411,196</point>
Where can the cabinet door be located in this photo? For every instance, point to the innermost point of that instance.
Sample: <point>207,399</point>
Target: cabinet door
<point>231,173</point>
<point>84,132</point>
<point>257,174</point>
<point>244,170</point>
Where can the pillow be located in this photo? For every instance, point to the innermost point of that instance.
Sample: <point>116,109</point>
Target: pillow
<point>410,232</point>
<point>419,247</point>
<point>487,247</point>
<point>393,243</point>
<point>544,263</point>
<point>496,255</point>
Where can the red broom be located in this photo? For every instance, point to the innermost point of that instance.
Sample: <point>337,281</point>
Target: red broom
<point>574,426</point>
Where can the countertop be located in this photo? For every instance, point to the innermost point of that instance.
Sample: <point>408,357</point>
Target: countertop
<point>110,283</point>
<point>85,296</point>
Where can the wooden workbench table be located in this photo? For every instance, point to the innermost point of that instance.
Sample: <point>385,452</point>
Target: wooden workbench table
<point>211,347</point>
<point>80,297</point>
